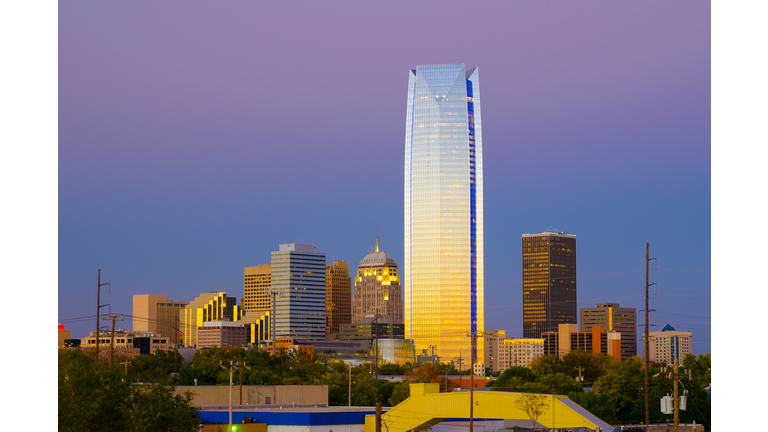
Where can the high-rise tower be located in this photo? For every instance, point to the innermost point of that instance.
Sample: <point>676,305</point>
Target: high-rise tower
<point>549,282</point>
<point>377,288</point>
<point>338,298</point>
<point>443,268</point>
<point>298,277</point>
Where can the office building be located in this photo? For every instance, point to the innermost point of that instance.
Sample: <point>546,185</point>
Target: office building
<point>377,288</point>
<point>549,282</point>
<point>669,344</point>
<point>257,282</point>
<point>298,276</point>
<point>338,298</point>
<point>597,341</point>
<point>493,340</point>
<point>155,314</point>
<point>222,334</point>
<point>519,352</point>
<point>443,268</point>
<point>126,343</point>
<point>206,307</point>
<point>613,317</point>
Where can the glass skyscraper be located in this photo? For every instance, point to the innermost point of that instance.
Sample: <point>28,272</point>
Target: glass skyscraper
<point>443,277</point>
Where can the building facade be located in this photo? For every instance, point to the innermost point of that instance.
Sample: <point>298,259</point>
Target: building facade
<point>596,341</point>
<point>519,352</point>
<point>222,334</point>
<point>549,282</point>
<point>669,344</point>
<point>371,328</point>
<point>127,343</point>
<point>338,298</point>
<point>257,282</point>
<point>211,306</point>
<point>377,288</point>
<point>493,340</point>
<point>443,268</point>
<point>613,317</point>
<point>155,314</point>
<point>298,276</point>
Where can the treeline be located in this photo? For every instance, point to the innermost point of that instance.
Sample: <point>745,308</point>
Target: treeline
<point>617,393</point>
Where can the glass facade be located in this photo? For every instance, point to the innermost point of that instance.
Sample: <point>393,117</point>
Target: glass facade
<point>298,276</point>
<point>443,269</point>
<point>549,282</point>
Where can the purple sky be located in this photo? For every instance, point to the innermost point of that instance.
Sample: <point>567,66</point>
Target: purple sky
<point>195,137</point>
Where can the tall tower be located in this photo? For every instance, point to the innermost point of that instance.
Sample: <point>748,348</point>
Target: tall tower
<point>298,276</point>
<point>338,298</point>
<point>443,268</point>
<point>549,282</point>
<point>377,288</point>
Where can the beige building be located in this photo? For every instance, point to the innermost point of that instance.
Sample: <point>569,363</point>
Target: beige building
<point>257,282</point>
<point>668,344</point>
<point>211,306</point>
<point>127,343</point>
<point>613,317</point>
<point>222,334</point>
<point>493,341</point>
<point>338,298</point>
<point>155,314</point>
<point>377,288</point>
<point>63,335</point>
<point>568,338</point>
<point>218,395</point>
<point>519,352</point>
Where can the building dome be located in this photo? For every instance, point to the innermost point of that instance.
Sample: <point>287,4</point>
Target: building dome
<point>377,259</point>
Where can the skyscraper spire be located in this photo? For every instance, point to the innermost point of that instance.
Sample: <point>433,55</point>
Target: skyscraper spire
<point>377,236</point>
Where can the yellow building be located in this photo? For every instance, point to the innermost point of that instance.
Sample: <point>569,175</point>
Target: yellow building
<point>257,282</point>
<point>377,288</point>
<point>207,307</point>
<point>338,293</point>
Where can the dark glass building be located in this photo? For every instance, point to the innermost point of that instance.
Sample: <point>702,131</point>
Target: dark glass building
<point>549,282</point>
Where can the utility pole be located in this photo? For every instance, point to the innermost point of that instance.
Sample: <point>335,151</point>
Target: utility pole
<point>446,376</point>
<point>98,308</point>
<point>126,363</point>
<point>459,368</point>
<point>580,378</point>
<point>676,376</point>
<point>241,384</point>
<point>378,416</point>
<point>350,384</point>
<point>112,318</point>
<point>273,324</point>
<point>646,338</point>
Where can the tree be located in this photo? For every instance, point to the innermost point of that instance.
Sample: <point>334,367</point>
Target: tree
<point>549,364</point>
<point>533,405</point>
<point>94,397</point>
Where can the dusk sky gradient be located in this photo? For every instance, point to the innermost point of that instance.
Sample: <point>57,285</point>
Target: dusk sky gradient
<point>194,137</point>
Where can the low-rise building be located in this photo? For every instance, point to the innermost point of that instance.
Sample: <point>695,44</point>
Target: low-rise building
<point>493,340</point>
<point>222,334</point>
<point>519,352</point>
<point>128,343</point>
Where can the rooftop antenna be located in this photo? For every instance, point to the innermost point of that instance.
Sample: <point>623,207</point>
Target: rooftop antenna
<point>377,236</point>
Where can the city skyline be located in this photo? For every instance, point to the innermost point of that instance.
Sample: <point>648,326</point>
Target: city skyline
<point>173,177</point>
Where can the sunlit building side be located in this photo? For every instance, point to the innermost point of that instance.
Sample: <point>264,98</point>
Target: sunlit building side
<point>443,268</point>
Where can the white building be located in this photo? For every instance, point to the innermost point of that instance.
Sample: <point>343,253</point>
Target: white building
<point>668,344</point>
<point>298,276</point>
<point>519,352</point>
